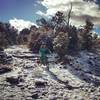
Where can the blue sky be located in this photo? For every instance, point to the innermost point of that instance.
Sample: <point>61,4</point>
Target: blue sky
<point>30,10</point>
<point>22,9</point>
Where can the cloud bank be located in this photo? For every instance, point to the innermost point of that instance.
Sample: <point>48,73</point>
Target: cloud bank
<point>81,10</point>
<point>20,23</point>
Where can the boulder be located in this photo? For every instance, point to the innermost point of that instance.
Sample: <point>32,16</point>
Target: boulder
<point>40,84</point>
<point>13,80</point>
<point>4,58</point>
<point>4,70</point>
<point>35,96</point>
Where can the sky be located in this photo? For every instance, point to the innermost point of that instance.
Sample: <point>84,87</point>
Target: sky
<point>23,13</point>
<point>20,9</point>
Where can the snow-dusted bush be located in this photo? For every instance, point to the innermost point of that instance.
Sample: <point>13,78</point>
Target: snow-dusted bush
<point>23,36</point>
<point>8,35</point>
<point>61,44</point>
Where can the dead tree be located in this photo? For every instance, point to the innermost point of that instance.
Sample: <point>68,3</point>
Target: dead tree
<point>69,14</point>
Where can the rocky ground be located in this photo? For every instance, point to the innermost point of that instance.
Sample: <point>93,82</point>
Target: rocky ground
<point>79,79</point>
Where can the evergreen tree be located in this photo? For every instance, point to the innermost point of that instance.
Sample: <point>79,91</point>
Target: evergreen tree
<point>87,35</point>
<point>61,44</point>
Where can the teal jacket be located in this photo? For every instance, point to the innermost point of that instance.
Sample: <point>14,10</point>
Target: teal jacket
<point>42,53</point>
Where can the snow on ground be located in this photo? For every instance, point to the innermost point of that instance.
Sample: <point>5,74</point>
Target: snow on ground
<point>77,73</point>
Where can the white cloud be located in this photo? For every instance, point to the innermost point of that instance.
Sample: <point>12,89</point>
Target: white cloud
<point>40,13</point>
<point>80,11</point>
<point>20,23</point>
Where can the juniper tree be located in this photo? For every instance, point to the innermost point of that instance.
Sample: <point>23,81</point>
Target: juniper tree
<point>8,35</point>
<point>23,36</point>
<point>61,44</point>
<point>87,35</point>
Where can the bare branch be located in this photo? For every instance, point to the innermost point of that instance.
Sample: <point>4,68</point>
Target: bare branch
<point>69,14</point>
